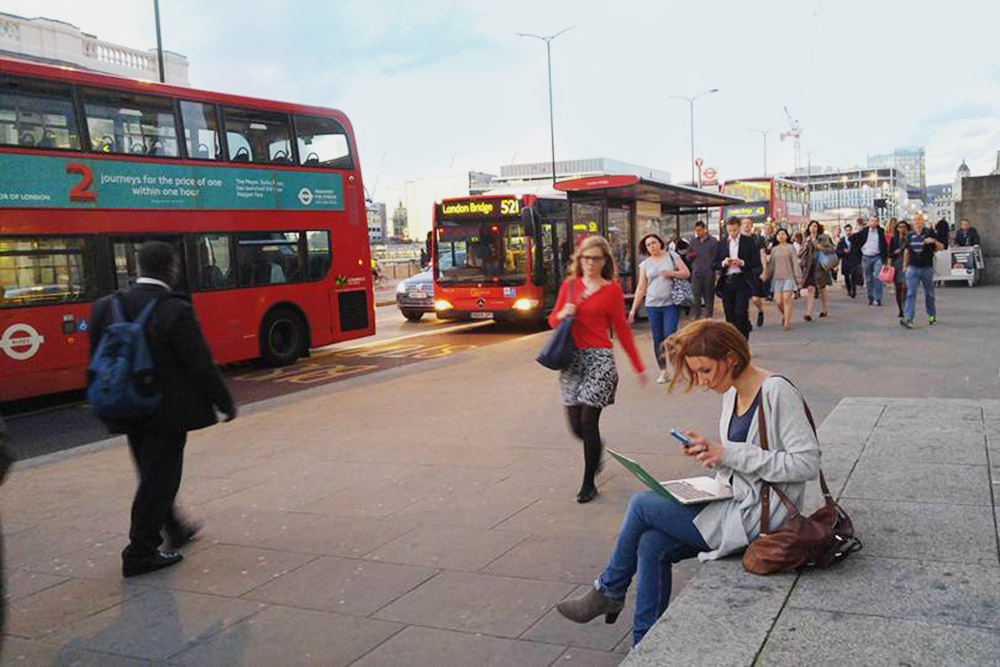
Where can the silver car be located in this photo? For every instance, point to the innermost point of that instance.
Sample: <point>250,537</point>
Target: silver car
<point>415,295</point>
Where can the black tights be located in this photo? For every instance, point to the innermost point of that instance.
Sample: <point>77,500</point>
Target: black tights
<point>585,423</point>
<point>900,296</point>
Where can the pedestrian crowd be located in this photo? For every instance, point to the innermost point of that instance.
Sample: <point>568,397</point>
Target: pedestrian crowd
<point>767,439</point>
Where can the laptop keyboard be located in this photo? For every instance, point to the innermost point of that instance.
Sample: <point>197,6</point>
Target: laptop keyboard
<point>687,491</point>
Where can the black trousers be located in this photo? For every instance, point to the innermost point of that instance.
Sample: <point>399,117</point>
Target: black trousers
<point>736,302</point>
<point>851,276</point>
<point>159,459</point>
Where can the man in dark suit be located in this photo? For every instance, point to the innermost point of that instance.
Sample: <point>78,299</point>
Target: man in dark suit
<point>191,388</point>
<point>738,259</point>
<point>870,243</point>
<point>850,261</point>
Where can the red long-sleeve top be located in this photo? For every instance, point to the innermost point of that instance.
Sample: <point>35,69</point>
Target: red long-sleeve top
<point>600,311</point>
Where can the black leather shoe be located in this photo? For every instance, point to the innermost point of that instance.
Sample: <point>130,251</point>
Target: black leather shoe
<point>586,495</point>
<point>179,538</point>
<point>760,318</point>
<point>132,567</point>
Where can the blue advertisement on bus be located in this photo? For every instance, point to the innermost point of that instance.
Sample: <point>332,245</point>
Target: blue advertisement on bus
<point>45,181</point>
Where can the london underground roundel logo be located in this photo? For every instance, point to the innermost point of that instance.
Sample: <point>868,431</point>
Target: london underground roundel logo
<point>305,196</point>
<point>21,341</point>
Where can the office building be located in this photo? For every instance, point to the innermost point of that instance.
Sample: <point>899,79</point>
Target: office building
<point>909,161</point>
<point>856,191</point>
<point>377,232</point>
<point>515,175</point>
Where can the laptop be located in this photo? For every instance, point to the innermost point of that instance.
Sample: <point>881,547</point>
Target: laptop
<point>689,491</point>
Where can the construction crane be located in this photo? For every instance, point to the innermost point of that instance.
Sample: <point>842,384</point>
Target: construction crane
<point>795,131</point>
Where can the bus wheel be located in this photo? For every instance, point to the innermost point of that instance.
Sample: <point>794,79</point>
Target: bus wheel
<point>282,338</point>
<point>413,315</point>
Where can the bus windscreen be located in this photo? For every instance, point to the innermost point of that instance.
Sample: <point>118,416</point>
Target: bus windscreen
<point>471,253</point>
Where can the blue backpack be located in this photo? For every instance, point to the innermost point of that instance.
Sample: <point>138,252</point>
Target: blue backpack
<point>123,383</point>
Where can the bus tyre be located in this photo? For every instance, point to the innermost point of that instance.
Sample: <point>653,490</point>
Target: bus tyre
<point>413,315</point>
<point>283,337</point>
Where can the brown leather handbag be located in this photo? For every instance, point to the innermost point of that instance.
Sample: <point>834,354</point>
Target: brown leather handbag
<point>820,540</point>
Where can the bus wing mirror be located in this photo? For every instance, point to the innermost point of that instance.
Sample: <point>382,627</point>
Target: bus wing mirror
<point>528,221</point>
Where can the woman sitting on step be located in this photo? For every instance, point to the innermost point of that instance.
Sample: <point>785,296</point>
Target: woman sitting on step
<point>657,532</point>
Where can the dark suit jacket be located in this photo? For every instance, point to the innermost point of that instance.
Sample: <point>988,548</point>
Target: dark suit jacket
<point>749,252</point>
<point>189,381</point>
<point>848,253</point>
<point>859,239</point>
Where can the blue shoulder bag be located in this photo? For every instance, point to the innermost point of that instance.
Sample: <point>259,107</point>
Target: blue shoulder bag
<point>557,353</point>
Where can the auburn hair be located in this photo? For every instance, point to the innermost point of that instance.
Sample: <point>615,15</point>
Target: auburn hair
<point>608,271</point>
<point>714,339</point>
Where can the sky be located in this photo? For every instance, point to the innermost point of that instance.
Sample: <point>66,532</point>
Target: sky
<point>439,86</point>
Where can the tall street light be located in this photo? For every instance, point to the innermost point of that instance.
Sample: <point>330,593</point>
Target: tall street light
<point>159,41</point>
<point>763,134</point>
<point>691,103</point>
<point>548,53</point>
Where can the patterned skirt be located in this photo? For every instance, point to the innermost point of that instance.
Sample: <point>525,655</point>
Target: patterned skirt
<point>591,379</point>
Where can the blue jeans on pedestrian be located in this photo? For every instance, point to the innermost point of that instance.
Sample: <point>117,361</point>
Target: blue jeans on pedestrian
<point>663,323</point>
<point>655,534</point>
<point>871,266</point>
<point>915,276</point>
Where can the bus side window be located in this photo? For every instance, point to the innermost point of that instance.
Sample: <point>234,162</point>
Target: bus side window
<point>318,253</point>
<point>37,114</point>
<point>322,143</point>
<point>215,266</point>
<point>269,258</point>
<point>258,136</point>
<point>201,130</point>
<point>121,122</point>
<point>42,270</point>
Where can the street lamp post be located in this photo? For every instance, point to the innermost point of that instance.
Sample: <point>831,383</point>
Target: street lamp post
<point>548,53</point>
<point>691,100</point>
<point>763,134</point>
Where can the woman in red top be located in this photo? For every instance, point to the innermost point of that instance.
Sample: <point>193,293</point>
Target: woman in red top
<point>591,294</point>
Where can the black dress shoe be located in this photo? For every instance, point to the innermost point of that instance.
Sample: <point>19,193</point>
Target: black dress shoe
<point>586,495</point>
<point>180,537</point>
<point>132,567</point>
<point>760,318</point>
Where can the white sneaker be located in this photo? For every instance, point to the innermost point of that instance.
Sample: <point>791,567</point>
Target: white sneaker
<point>661,378</point>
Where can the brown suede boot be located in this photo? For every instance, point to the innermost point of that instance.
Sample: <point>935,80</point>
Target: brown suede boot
<point>590,605</point>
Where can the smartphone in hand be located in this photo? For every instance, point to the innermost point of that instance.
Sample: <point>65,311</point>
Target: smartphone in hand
<point>684,440</point>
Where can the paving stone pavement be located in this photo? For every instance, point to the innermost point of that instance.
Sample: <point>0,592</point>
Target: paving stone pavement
<point>919,479</point>
<point>424,516</point>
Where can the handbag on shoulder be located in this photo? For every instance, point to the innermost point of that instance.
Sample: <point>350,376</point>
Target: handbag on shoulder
<point>820,539</point>
<point>557,353</point>
<point>681,293</point>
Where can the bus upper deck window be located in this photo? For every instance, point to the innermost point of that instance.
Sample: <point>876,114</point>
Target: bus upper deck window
<point>322,143</point>
<point>258,136</point>
<point>37,114</point>
<point>121,122</point>
<point>201,130</point>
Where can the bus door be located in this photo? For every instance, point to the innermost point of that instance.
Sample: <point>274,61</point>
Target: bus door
<point>47,285</point>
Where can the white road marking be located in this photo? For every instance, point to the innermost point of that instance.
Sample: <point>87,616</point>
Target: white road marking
<point>383,341</point>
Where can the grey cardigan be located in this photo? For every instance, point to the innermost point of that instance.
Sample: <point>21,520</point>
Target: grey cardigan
<point>728,526</point>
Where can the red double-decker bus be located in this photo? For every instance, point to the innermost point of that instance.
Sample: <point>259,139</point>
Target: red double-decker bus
<point>500,257</point>
<point>768,199</point>
<point>262,200</point>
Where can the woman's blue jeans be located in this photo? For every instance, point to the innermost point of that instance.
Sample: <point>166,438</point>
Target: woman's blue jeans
<point>655,534</point>
<point>662,323</point>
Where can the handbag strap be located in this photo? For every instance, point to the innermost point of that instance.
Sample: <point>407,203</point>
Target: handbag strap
<point>765,493</point>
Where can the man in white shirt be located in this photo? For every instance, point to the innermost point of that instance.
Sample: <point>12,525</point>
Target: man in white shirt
<point>738,259</point>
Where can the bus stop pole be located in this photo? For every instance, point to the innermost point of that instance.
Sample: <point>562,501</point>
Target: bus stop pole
<point>159,40</point>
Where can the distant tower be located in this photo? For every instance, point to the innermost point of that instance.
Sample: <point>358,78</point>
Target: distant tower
<point>963,172</point>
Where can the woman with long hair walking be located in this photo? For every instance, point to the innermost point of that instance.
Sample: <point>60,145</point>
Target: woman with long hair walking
<point>785,275</point>
<point>655,287</point>
<point>816,277</point>
<point>591,295</point>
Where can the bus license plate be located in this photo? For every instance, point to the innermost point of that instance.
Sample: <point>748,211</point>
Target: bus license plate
<point>418,295</point>
<point>482,315</point>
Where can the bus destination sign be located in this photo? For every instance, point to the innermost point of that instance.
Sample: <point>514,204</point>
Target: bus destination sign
<point>471,209</point>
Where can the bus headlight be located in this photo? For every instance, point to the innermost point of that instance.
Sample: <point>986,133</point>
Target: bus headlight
<point>525,304</point>
<point>441,304</point>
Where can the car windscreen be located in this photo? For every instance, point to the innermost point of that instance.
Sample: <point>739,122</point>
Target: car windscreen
<point>472,253</point>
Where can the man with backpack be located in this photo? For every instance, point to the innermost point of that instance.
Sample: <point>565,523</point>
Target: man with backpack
<point>152,377</point>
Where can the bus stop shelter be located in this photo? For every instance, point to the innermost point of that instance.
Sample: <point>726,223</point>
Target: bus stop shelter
<point>624,209</point>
